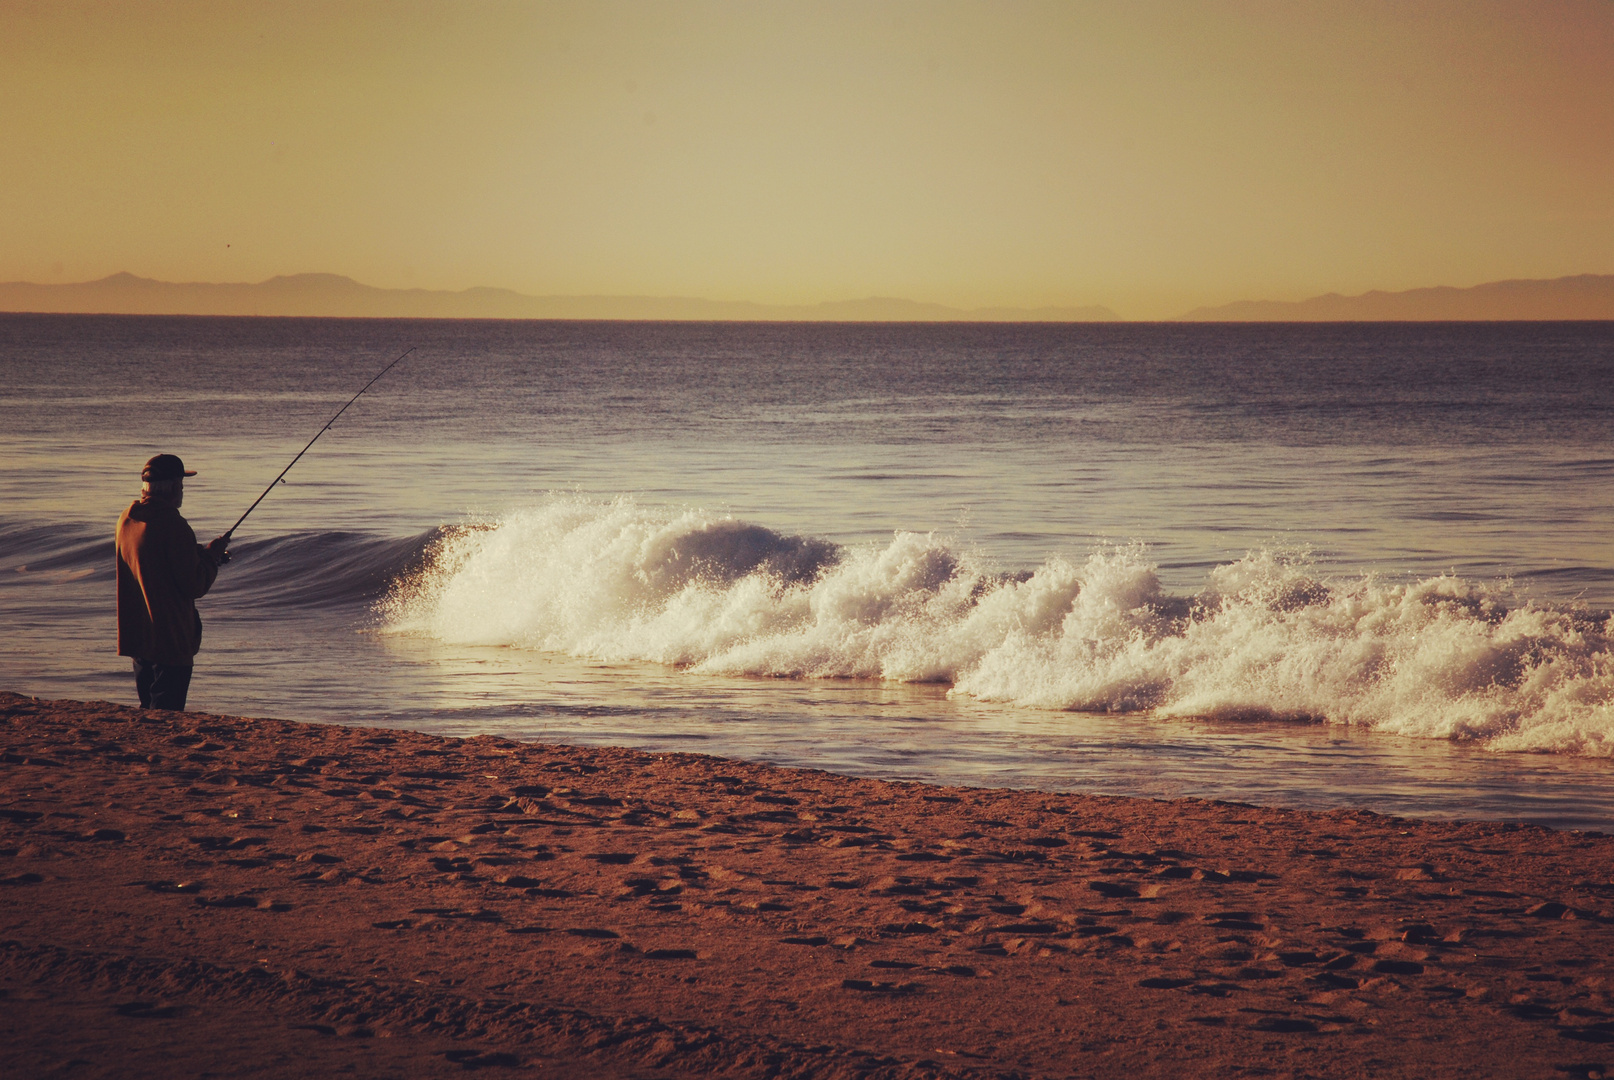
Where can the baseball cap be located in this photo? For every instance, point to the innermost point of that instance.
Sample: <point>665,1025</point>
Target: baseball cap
<point>165,467</point>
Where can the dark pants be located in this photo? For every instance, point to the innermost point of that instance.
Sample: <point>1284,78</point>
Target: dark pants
<point>162,686</point>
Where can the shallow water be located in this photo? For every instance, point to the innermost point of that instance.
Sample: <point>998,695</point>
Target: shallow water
<point>1427,507</point>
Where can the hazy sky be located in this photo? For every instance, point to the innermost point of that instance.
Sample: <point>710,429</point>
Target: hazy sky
<point>1148,156</point>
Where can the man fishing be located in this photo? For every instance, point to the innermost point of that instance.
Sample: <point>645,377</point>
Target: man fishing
<point>162,571</point>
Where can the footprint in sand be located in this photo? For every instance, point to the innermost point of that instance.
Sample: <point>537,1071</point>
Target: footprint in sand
<point>460,867</point>
<point>1032,928</point>
<point>226,843</point>
<point>1257,973</point>
<point>1113,888</point>
<point>482,1059</point>
<point>1289,1025</point>
<point>869,987</point>
<point>1330,981</point>
<point>1217,990</point>
<point>482,915</point>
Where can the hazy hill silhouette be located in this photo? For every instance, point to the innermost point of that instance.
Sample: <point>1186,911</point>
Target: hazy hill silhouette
<point>338,296</point>
<point>1586,296</point>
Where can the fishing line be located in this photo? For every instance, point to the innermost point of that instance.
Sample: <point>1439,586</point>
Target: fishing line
<point>312,441</point>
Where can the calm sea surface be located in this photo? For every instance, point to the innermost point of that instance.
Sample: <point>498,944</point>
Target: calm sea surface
<point>1301,565</point>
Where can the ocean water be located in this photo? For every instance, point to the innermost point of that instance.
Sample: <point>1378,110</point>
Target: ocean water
<point>1304,565</point>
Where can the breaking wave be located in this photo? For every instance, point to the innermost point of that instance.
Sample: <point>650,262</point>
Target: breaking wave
<point>1267,637</point>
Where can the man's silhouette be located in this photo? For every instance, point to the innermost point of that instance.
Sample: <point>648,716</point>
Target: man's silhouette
<point>162,571</point>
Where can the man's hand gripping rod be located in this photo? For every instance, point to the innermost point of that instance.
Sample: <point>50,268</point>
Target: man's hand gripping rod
<point>231,531</point>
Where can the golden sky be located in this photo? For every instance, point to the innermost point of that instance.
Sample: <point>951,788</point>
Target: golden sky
<point>1150,156</point>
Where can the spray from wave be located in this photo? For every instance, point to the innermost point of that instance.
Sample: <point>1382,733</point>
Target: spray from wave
<point>1266,637</point>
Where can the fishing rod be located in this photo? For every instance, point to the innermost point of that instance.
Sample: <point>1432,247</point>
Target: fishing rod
<point>312,441</point>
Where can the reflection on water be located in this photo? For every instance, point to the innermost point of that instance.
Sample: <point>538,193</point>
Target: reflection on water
<point>908,732</point>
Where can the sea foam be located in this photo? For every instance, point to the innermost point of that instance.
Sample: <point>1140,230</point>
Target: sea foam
<point>1267,637</point>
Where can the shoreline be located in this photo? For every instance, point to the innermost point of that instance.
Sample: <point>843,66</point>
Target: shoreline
<point>189,892</point>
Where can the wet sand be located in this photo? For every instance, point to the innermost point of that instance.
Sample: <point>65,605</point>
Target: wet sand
<point>192,895</point>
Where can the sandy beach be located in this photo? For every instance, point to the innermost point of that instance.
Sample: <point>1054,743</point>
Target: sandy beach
<point>198,895</point>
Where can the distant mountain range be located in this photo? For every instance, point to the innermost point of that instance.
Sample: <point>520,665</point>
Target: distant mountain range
<point>334,295</point>
<point>1586,296</point>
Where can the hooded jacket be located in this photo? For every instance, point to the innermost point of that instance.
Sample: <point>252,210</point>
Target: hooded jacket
<point>162,571</point>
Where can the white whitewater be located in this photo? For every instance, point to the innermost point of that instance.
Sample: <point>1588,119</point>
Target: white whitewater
<point>1265,638</point>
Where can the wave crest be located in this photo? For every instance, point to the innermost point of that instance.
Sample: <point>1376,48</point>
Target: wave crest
<point>1266,637</point>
